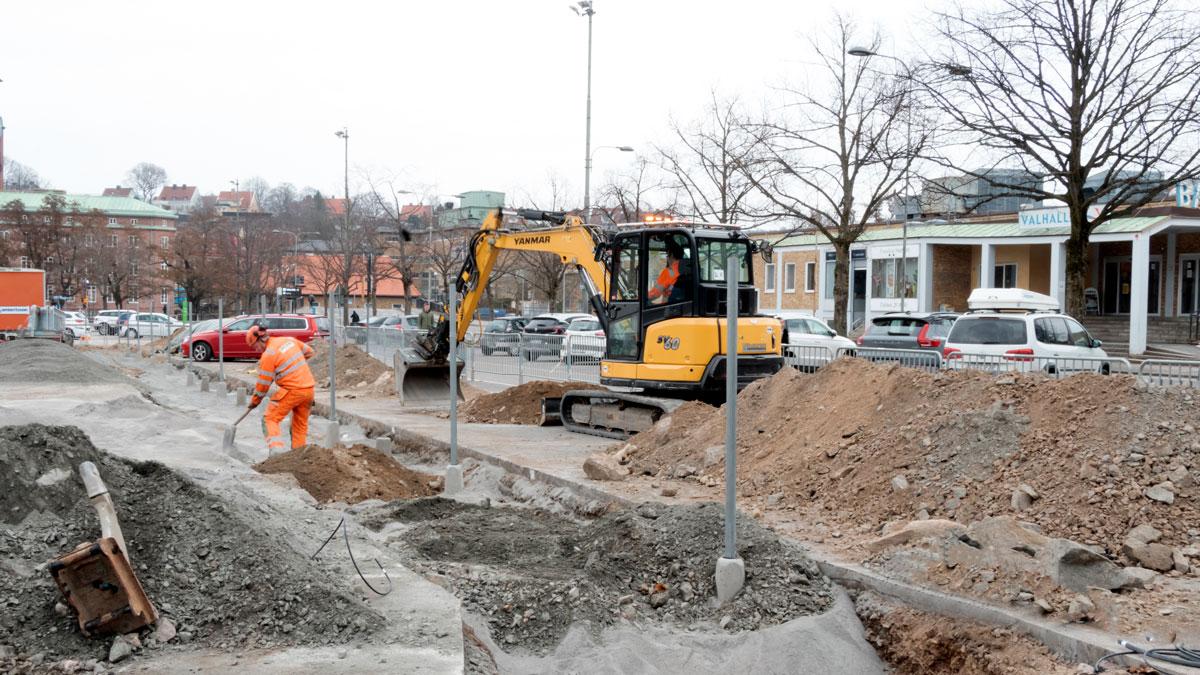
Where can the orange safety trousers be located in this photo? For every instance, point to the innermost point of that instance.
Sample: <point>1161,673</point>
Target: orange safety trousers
<point>299,403</point>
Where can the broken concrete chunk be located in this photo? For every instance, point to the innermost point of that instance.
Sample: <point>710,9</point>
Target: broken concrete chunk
<point>1146,534</point>
<point>1157,557</point>
<point>120,649</point>
<point>899,483</point>
<point>1081,609</point>
<point>1163,492</point>
<point>1182,564</point>
<point>164,632</point>
<point>915,531</point>
<point>604,467</point>
<point>1077,567</point>
<point>1138,577</point>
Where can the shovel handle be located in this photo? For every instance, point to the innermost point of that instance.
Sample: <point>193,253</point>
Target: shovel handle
<point>243,416</point>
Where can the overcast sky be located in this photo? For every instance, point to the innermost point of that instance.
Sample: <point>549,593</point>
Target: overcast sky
<point>444,96</point>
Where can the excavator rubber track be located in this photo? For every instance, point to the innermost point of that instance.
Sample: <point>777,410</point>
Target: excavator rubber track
<point>611,414</point>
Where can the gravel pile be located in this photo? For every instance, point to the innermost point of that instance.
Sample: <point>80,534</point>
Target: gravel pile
<point>220,578</point>
<point>532,574</point>
<point>51,362</point>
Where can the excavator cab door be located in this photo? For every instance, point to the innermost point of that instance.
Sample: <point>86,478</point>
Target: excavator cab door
<point>623,334</point>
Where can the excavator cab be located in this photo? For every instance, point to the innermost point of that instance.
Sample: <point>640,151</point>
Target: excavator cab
<point>666,311</point>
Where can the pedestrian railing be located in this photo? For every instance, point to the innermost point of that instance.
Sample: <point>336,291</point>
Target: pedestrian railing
<point>1166,373</point>
<point>922,359</point>
<point>807,357</point>
<point>516,358</point>
<point>1057,367</point>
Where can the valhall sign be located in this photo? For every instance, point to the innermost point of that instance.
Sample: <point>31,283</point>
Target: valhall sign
<point>1188,194</point>
<point>1054,216</point>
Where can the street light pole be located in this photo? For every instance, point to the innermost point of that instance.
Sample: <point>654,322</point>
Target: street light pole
<point>867,52</point>
<point>584,8</point>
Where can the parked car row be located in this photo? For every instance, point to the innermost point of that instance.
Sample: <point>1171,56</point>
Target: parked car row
<point>230,340</point>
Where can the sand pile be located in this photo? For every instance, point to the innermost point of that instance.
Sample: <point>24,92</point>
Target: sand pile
<point>51,362</point>
<point>1093,456</point>
<point>356,371</point>
<point>349,475</point>
<point>222,580</point>
<point>531,574</point>
<point>521,404</point>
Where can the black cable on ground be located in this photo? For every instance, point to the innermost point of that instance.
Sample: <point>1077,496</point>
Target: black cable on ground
<point>346,535</point>
<point>1177,655</point>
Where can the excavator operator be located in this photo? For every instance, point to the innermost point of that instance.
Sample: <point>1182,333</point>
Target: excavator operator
<point>284,361</point>
<point>660,292</point>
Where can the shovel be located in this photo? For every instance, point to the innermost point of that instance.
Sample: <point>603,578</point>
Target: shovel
<point>231,432</point>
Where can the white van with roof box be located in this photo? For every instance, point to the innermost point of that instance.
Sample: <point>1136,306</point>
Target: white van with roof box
<point>1019,330</point>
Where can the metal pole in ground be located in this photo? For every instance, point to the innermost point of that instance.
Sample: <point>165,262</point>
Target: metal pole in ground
<point>454,477</point>
<point>221,338</point>
<point>731,571</point>
<point>332,365</point>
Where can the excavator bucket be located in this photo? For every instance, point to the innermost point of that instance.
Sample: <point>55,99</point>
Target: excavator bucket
<point>422,381</point>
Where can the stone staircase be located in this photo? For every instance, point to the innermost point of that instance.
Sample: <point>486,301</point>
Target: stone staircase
<point>1161,333</point>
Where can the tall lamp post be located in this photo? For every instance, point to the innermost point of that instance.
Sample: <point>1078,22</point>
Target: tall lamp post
<point>587,202</point>
<point>867,52</point>
<point>584,8</point>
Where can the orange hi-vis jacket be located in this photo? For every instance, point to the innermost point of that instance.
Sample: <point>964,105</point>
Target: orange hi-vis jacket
<point>284,362</point>
<point>666,281</point>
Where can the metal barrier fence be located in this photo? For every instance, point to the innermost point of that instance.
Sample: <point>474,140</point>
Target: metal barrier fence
<point>921,359</point>
<point>807,358</point>
<point>1056,367</point>
<point>1166,373</point>
<point>515,358</point>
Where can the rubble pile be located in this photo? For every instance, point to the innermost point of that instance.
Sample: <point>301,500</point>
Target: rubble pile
<point>531,574</point>
<point>350,474</point>
<point>1088,458</point>
<point>357,372</point>
<point>521,404</point>
<point>218,579</point>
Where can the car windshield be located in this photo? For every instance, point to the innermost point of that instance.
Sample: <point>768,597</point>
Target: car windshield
<point>988,331</point>
<point>377,321</point>
<point>543,323</point>
<point>323,324</point>
<point>584,324</point>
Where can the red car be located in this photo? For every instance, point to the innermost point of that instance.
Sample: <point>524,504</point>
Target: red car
<point>203,346</point>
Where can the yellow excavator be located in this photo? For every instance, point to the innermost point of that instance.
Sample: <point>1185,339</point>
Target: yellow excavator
<point>659,292</point>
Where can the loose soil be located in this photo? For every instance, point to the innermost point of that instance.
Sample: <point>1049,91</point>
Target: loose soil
<point>349,475</point>
<point>48,361</point>
<point>225,581</point>
<point>914,643</point>
<point>531,574</point>
<point>521,404</point>
<point>357,372</point>
<point>832,442</point>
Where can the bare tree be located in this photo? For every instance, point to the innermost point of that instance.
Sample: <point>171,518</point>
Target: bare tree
<point>398,222</point>
<point>147,179</point>
<point>628,194</point>
<point>198,260</point>
<point>834,154</point>
<point>706,165</point>
<point>260,187</point>
<point>1098,92</point>
<point>18,177</point>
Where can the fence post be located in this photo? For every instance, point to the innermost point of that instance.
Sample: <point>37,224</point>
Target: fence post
<point>566,350</point>
<point>520,358</point>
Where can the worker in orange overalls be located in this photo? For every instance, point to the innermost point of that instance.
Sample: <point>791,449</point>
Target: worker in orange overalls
<point>285,362</point>
<point>660,292</point>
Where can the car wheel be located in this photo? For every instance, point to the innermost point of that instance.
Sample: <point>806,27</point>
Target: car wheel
<point>1105,369</point>
<point>530,355</point>
<point>132,334</point>
<point>1051,369</point>
<point>104,329</point>
<point>69,333</point>
<point>201,351</point>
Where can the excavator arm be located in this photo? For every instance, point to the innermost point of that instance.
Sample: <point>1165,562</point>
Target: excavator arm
<point>574,243</point>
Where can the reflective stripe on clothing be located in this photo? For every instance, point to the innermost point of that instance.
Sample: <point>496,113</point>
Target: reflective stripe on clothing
<point>297,402</point>
<point>284,363</point>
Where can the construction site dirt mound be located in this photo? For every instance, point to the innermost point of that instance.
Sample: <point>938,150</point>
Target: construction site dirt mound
<point>521,404</point>
<point>867,444</point>
<point>349,475</point>
<point>532,574</point>
<point>357,372</point>
<point>220,577</point>
<point>32,360</point>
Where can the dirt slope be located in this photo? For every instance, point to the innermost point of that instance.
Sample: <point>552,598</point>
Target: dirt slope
<point>521,404</point>
<point>349,475</point>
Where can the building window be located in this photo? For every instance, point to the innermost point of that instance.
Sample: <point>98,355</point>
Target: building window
<point>112,240</point>
<point>49,260</point>
<point>164,241</point>
<point>46,220</point>
<point>112,221</point>
<point>162,296</point>
<point>162,265</point>
<point>1005,276</point>
<point>769,280</point>
<point>24,261</point>
<point>133,240</point>
<point>133,268</point>
<point>789,278</point>
<point>810,277</point>
<point>133,222</point>
<point>886,281</point>
<point>830,277</point>
<point>91,296</point>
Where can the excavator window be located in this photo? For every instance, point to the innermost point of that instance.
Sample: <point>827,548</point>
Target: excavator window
<point>625,274</point>
<point>714,253</point>
<point>669,269</point>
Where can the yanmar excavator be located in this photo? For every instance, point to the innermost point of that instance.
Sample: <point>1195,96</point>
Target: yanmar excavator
<point>664,332</point>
